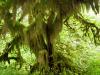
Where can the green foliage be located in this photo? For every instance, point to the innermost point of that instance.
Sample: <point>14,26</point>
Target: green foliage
<point>28,27</point>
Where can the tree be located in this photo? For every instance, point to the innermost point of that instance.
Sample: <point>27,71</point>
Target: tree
<point>45,20</point>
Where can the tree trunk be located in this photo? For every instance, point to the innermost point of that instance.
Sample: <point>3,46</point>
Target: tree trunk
<point>50,54</point>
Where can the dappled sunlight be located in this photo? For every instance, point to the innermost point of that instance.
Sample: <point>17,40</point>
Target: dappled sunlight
<point>95,18</point>
<point>49,37</point>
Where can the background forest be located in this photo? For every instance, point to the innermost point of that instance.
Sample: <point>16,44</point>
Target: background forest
<point>49,37</point>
